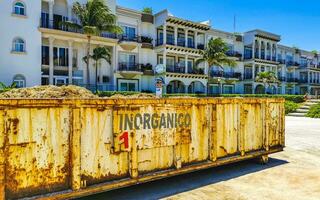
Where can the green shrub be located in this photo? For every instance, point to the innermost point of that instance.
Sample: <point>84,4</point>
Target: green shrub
<point>147,10</point>
<point>290,106</point>
<point>314,111</point>
<point>293,98</point>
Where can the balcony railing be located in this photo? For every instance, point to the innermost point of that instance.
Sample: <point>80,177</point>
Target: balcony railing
<point>234,54</point>
<point>176,69</point>
<point>303,80</point>
<point>126,66</point>
<point>292,80</point>
<point>129,38</point>
<point>181,42</point>
<point>196,71</point>
<point>56,25</point>
<point>227,75</point>
<point>191,45</point>
<point>235,75</point>
<point>216,73</point>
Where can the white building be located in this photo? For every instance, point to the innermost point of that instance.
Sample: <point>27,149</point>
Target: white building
<point>40,51</point>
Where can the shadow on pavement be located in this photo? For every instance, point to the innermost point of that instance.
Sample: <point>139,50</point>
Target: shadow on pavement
<point>178,184</point>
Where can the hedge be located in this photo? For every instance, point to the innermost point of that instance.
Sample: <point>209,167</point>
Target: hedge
<point>293,98</point>
<point>290,107</point>
<point>314,111</point>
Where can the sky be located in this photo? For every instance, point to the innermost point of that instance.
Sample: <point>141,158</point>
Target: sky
<point>297,21</point>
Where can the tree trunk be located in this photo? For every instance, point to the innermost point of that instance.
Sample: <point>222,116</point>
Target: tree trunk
<point>208,83</point>
<point>96,76</point>
<point>88,59</point>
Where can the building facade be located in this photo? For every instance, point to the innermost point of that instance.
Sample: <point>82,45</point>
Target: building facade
<point>39,50</point>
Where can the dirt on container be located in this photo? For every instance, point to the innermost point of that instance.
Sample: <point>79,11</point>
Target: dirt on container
<point>49,92</point>
<point>134,96</point>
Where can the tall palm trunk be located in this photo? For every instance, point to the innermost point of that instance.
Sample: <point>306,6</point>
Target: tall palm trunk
<point>88,60</point>
<point>96,76</point>
<point>208,83</point>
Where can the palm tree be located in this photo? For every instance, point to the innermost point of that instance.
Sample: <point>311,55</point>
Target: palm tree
<point>5,88</point>
<point>98,54</point>
<point>215,55</point>
<point>95,17</point>
<point>266,78</point>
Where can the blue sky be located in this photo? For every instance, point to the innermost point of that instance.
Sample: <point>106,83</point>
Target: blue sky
<point>297,21</point>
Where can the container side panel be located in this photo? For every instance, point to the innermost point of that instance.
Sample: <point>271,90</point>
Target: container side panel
<point>253,127</point>
<point>38,152</point>
<point>197,150</point>
<point>275,124</point>
<point>227,129</point>
<point>155,159</point>
<point>98,164</point>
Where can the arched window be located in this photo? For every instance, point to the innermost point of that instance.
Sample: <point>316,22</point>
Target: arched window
<point>19,80</point>
<point>18,45</point>
<point>19,8</point>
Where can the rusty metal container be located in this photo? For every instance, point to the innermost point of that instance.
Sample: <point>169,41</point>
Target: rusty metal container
<point>58,149</point>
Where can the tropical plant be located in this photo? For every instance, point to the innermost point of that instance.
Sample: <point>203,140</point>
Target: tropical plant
<point>290,107</point>
<point>215,55</point>
<point>147,10</point>
<point>99,53</point>
<point>314,111</point>
<point>145,39</point>
<point>5,88</point>
<point>95,17</point>
<point>267,78</point>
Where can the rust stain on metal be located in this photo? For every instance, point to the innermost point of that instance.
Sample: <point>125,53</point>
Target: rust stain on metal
<point>67,145</point>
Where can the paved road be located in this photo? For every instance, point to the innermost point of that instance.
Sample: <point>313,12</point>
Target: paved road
<point>292,174</point>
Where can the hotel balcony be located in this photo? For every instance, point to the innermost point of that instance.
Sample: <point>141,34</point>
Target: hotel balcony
<point>292,80</point>
<point>182,70</point>
<point>129,42</point>
<point>129,68</point>
<point>228,76</point>
<point>234,54</point>
<point>57,25</point>
<point>292,64</point>
<point>181,42</point>
<point>303,80</point>
<point>216,74</point>
<point>232,75</point>
<point>176,69</point>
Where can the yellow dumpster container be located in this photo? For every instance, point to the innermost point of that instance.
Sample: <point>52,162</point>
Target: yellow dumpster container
<point>57,149</point>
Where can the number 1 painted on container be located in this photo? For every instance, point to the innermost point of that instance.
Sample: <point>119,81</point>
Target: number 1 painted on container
<point>124,137</point>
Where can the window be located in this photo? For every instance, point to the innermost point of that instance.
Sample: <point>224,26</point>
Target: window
<point>127,61</point>
<point>19,80</point>
<point>19,8</point>
<point>128,85</point>
<point>18,45</point>
<point>45,55</point>
<point>129,33</point>
<point>60,56</point>
<point>228,89</point>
